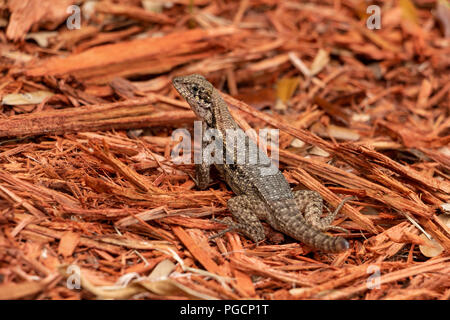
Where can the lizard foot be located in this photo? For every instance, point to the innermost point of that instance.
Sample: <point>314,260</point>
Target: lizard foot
<point>226,221</point>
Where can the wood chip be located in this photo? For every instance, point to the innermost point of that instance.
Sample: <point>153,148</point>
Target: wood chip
<point>88,182</point>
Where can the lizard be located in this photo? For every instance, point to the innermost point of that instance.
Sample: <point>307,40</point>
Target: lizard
<point>259,196</point>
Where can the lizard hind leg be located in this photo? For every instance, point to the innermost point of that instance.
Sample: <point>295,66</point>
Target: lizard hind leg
<point>310,204</point>
<point>247,211</point>
<point>331,215</point>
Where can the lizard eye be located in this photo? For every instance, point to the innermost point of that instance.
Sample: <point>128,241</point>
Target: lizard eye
<point>194,88</point>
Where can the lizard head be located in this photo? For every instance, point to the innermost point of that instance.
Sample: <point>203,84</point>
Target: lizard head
<point>198,93</point>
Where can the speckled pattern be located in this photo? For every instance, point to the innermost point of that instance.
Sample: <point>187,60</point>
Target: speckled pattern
<point>259,197</point>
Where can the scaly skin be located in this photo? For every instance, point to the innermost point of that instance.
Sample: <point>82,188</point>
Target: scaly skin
<point>259,196</point>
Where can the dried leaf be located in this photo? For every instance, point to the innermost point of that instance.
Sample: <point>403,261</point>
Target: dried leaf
<point>42,38</point>
<point>320,61</point>
<point>319,152</point>
<point>446,208</point>
<point>431,250</point>
<point>343,133</point>
<point>445,220</point>
<point>286,88</point>
<point>102,292</point>
<point>16,56</point>
<point>337,132</point>
<point>158,283</point>
<point>297,143</point>
<point>169,287</point>
<point>17,99</point>
<point>360,117</point>
<point>409,11</point>
<point>162,269</point>
<point>153,6</point>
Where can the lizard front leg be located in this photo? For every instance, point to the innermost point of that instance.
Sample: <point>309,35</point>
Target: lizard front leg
<point>203,169</point>
<point>202,172</point>
<point>247,211</point>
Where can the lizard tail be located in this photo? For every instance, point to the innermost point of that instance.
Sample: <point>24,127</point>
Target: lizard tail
<point>339,244</point>
<point>315,238</point>
<point>324,242</point>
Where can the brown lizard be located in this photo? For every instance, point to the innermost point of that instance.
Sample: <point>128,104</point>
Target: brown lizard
<point>259,196</point>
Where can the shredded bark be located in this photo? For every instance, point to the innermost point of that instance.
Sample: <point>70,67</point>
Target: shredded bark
<point>89,186</point>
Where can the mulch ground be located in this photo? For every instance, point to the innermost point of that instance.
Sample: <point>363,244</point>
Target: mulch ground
<point>93,205</point>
